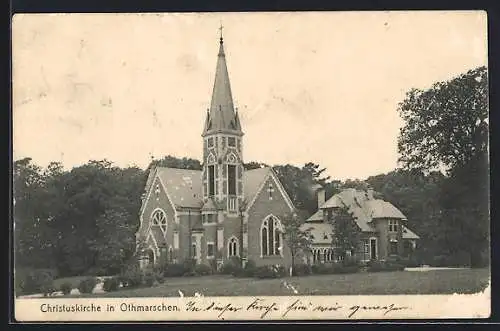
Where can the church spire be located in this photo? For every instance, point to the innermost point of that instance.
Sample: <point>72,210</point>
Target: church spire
<point>222,116</point>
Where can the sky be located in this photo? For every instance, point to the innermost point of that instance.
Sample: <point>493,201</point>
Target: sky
<point>321,87</point>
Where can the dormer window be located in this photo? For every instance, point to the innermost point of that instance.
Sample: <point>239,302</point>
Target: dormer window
<point>231,141</point>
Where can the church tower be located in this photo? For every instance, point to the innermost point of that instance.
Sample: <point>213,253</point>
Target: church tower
<point>222,147</point>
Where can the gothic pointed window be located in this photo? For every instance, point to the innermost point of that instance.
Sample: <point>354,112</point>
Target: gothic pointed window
<point>159,219</point>
<point>210,142</point>
<point>265,251</point>
<point>231,179</point>
<point>233,247</point>
<point>271,237</point>
<point>211,180</point>
<point>231,141</point>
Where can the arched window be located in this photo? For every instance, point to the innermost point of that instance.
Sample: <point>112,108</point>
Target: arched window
<point>159,218</point>
<point>233,247</point>
<point>271,236</point>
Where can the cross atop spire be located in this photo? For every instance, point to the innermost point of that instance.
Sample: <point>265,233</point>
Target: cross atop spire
<point>220,29</point>
<point>221,116</point>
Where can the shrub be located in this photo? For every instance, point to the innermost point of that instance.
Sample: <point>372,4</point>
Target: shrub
<point>87,285</point>
<point>34,281</point>
<point>249,269</point>
<point>270,271</point>
<point>149,278</point>
<point>189,267</point>
<point>202,269</point>
<point>131,276</point>
<point>66,288</point>
<point>111,284</point>
<point>301,270</point>
<point>97,271</point>
<point>455,260</point>
<point>350,262</point>
<point>213,266</point>
<point>321,269</point>
<point>231,266</point>
<point>174,270</point>
<point>378,266</point>
<point>343,269</point>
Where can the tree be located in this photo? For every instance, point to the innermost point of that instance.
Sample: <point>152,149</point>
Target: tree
<point>170,161</point>
<point>33,244</point>
<point>115,241</point>
<point>254,165</point>
<point>346,233</point>
<point>446,127</point>
<point>355,183</point>
<point>297,238</point>
<point>416,194</point>
<point>299,183</point>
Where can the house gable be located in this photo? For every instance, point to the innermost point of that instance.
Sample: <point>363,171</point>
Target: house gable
<point>157,199</point>
<point>272,178</point>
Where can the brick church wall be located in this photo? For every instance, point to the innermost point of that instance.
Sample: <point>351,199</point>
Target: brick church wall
<point>263,207</point>
<point>160,201</point>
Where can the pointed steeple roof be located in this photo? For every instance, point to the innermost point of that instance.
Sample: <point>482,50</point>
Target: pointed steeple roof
<point>221,116</point>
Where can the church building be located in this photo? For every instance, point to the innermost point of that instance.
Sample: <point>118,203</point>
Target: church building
<point>221,211</point>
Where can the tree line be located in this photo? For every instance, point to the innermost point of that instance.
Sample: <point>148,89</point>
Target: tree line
<point>83,220</point>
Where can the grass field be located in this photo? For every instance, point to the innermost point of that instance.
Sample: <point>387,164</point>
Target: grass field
<point>398,282</point>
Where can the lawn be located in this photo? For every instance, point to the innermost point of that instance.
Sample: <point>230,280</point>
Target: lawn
<point>397,282</point>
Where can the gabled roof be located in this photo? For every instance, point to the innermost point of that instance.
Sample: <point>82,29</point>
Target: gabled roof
<point>333,202</point>
<point>252,181</point>
<point>408,234</point>
<point>209,205</point>
<point>183,186</point>
<point>383,209</point>
<point>317,216</point>
<point>363,207</point>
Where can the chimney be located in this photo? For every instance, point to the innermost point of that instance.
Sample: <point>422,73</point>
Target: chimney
<point>321,197</point>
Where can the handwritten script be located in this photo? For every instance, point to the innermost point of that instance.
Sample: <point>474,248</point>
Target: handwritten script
<point>262,308</point>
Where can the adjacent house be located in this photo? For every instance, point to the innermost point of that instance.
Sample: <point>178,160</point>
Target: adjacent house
<point>382,227</point>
